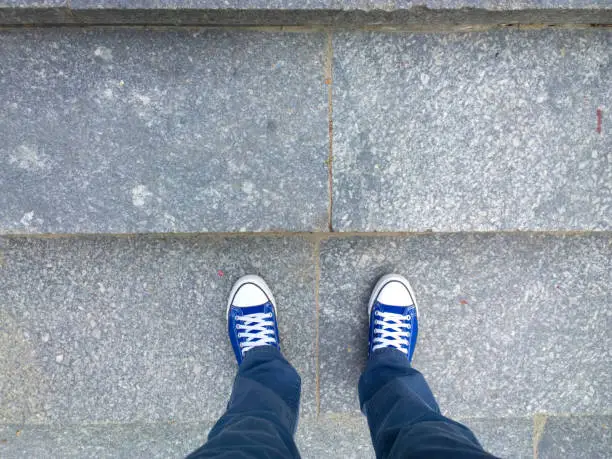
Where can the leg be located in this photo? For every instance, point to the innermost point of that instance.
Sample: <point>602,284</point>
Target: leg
<point>403,416</point>
<point>262,413</point>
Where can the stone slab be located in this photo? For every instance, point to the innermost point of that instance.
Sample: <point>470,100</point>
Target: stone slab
<point>19,12</point>
<point>327,436</point>
<point>472,132</point>
<point>133,329</point>
<point>107,441</point>
<point>335,435</point>
<point>33,3</point>
<point>576,437</point>
<point>123,131</point>
<point>510,324</point>
<point>348,436</point>
<point>504,437</point>
<point>425,14</point>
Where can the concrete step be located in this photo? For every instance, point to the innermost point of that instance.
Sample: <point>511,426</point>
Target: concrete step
<point>106,342</point>
<point>511,324</point>
<point>326,436</point>
<point>122,131</point>
<point>472,132</point>
<point>422,14</point>
<point>135,131</point>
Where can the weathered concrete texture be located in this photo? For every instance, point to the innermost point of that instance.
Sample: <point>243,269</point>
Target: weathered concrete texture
<point>335,435</point>
<point>334,5</point>
<point>345,436</point>
<point>481,131</point>
<point>107,441</point>
<point>32,3</point>
<point>146,131</point>
<point>510,325</point>
<point>15,12</point>
<point>134,329</point>
<point>414,14</point>
<point>576,437</point>
<point>504,437</point>
<point>341,5</point>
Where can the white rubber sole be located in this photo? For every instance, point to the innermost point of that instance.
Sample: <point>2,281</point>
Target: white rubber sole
<point>251,279</point>
<point>384,281</point>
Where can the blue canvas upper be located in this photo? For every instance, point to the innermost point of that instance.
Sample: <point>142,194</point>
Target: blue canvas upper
<point>236,311</point>
<point>406,311</point>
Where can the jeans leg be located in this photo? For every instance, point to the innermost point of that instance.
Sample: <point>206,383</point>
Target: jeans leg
<point>262,413</point>
<point>403,415</point>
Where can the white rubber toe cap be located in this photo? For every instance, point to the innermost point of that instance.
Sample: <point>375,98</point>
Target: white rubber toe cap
<point>395,293</point>
<point>249,295</point>
<point>250,291</point>
<point>392,290</point>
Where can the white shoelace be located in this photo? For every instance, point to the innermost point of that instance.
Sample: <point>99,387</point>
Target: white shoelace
<point>255,330</point>
<point>391,331</point>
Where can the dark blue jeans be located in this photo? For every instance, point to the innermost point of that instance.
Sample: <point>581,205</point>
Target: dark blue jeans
<point>404,418</point>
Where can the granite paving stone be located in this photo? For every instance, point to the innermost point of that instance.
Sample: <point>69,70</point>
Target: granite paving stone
<point>511,324</point>
<point>335,435</point>
<point>504,437</point>
<point>33,3</point>
<point>334,5</point>
<point>472,131</point>
<point>14,12</point>
<point>131,130</point>
<point>107,441</point>
<point>348,436</point>
<point>340,436</point>
<point>345,436</point>
<point>576,437</point>
<point>133,329</point>
<point>204,4</point>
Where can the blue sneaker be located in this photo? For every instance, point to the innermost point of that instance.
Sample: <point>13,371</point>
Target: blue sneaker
<point>394,317</point>
<point>251,316</point>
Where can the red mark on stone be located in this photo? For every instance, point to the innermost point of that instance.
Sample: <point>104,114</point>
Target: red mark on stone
<point>463,301</point>
<point>220,273</point>
<point>599,117</point>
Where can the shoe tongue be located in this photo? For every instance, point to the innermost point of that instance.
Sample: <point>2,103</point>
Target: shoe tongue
<point>246,310</point>
<point>395,309</point>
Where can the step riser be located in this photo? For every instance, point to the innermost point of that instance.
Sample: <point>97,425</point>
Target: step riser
<point>451,14</point>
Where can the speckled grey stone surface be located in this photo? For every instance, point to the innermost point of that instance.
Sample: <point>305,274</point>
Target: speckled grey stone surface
<point>108,441</point>
<point>510,324</point>
<point>162,131</point>
<point>129,330</point>
<point>344,436</point>
<point>588,437</point>
<point>33,3</point>
<point>204,4</point>
<point>504,437</point>
<point>335,435</point>
<point>480,131</point>
<point>342,5</point>
<point>488,4</point>
<point>339,436</point>
<point>347,436</point>
<point>331,5</point>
